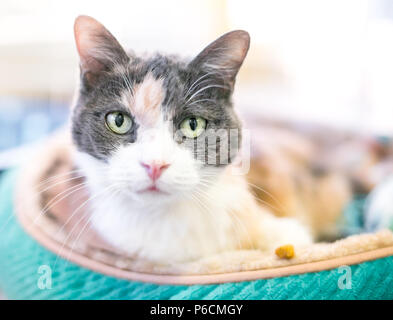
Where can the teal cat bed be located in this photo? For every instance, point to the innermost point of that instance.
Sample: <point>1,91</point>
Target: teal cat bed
<point>39,262</point>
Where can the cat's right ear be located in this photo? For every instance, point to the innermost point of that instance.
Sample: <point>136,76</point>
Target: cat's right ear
<point>98,49</point>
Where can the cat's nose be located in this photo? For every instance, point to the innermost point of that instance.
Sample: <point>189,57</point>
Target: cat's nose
<point>155,169</point>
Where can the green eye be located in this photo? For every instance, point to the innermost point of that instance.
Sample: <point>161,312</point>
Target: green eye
<point>193,127</point>
<point>118,122</point>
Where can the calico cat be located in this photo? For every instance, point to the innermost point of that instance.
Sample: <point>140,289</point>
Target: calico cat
<point>152,138</point>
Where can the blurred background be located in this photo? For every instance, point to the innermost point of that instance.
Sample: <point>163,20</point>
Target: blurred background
<point>326,61</point>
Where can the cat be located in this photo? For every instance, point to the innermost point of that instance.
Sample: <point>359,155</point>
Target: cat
<point>141,125</point>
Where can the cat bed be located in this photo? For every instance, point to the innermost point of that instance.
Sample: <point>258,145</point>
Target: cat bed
<point>83,266</point>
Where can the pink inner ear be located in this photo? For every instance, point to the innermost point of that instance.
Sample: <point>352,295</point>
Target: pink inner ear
<point>231,49</point>
<point>86,30</point>
<point>226,54</point>
<point>239,46</point>
<point>97,47</point>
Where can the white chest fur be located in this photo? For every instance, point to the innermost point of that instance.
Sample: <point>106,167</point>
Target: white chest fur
<point>182,231</point>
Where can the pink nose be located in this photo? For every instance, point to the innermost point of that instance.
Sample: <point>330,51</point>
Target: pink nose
<point>154,169</point>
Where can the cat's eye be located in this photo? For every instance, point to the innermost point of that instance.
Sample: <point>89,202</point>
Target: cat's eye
<point>193,127</point>
<point>118,122</point>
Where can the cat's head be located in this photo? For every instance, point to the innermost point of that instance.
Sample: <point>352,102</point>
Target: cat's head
<point>155,127</point>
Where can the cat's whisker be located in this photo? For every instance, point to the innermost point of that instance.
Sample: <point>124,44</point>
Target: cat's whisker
<point>238,221</point>
<point>200,100</point>
<point>57,176</point>
<point>82,205</point>
<point>281,206</point>
<point>256,198</point>
<point>246,231</point>
<point>206,184</point>
<point>266,203</point>
<point>53,202</point>
<point>80,219</point>
<point>127,82</point>
<point>205,88</point>
<point>204,207</point>
<point>59,183</point>
<point>83,229</point>
<point>212,214</point>
<point>196,83</point>
<point>199,81</point>
<point>203,82</point>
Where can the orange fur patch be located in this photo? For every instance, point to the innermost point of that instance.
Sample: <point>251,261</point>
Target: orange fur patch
<point>145,100</point>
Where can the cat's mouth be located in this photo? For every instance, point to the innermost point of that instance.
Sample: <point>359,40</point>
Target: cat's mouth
<point>152,189</point>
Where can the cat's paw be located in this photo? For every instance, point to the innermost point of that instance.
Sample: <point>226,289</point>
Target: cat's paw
<point>284,231</point>
<point>379,207</point>
<point>294,232</point>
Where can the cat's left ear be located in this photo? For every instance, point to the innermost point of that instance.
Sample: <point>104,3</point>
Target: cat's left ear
<point>225,55</point>
<point>98,49</point>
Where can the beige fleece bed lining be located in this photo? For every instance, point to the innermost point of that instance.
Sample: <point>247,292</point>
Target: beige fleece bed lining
<point>91,252</point>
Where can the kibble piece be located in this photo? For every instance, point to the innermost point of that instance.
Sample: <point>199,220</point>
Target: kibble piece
<point>285,252</point>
